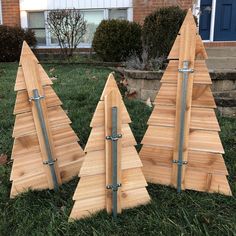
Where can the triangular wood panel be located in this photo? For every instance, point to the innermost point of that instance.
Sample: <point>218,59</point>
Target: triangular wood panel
<point>91,194</point>
<point>202,165</point>
<point>29,170</point>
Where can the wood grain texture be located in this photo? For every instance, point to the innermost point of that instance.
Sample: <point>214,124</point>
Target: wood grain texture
<point>94,161</point>
<point>96,139</point>
<point>199,140</point>
<point>23,104</point>
<point>131,179</point>
<point>200,52</point>
<point>201,74</point>
<point>98,118</point>
<point>29,164</point>
<point>201,96</point>
<point>20,81</point>
<point>24,123</point>
<point>199,161</point>
<point>24,184</point>
<point>194,180</point>
<point>87,207</point>
<point>201,118</point>
<point>109,86</point>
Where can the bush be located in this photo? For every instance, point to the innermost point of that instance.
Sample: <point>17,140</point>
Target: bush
<point>160,30</point>
<point>11,39</point>
<point>144,62</point>
<point>115,40</point>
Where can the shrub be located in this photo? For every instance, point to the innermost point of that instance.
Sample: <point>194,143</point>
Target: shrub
<point>144,62</point>
<point>11,40</point>
<point>160,30</point>
<point>115,40</point>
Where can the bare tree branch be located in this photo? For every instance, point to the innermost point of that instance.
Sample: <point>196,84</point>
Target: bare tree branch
<point>69,27</point>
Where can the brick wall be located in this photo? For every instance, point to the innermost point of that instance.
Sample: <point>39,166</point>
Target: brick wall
<point>11,12</point>
<point>142,8</point>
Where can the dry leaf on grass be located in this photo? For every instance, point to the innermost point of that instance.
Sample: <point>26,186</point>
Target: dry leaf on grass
<point>131,95</point>
<point>53,78</point>
<point>124,82</point>
<point>51,70</point>
<point>148,102</point>
<point>94,78</point>
<point>3,159</point>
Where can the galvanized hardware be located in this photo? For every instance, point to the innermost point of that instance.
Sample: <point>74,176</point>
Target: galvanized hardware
<point>114,188</point>
<point>36,98</point>
<point>49,163</point>
<point>114,138</point>
<point>180,163</point>
<point>185,70</point>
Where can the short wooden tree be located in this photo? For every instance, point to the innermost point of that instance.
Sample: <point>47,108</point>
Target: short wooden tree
<point>96,186</point>
<point>68,26</point>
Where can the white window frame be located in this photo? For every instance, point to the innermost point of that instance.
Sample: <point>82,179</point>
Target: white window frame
<point>120,8</point>
<point>89,45</point>
<point>1,21</point>
<point>196,11</point>
<point>38,46</point>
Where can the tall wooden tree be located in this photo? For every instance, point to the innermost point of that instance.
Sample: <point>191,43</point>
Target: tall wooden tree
<point>92,194</point>
<point>45,152</point>
<point>181,146</point>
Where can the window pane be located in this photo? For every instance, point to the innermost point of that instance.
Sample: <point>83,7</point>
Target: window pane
<point>93,19</point>
<point>120,14</point>
<point>36,20</point>
<point>54,40</point>
<point>40,35</point>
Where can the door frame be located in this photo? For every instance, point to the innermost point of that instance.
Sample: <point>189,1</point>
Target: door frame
<point>196,12</point>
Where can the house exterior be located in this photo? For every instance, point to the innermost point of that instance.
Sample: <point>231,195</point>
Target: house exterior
<point>217,18</point>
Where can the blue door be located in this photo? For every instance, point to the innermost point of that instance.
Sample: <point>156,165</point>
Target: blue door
<point>225,20</point>
<point>205,19</point>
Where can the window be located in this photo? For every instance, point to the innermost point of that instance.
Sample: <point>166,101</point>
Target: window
<point>93,19</point>
<point>120,14</point>
<point>36,22</point>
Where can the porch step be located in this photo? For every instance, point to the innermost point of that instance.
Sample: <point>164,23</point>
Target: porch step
<point>221,63</point>
<point>221,52</point>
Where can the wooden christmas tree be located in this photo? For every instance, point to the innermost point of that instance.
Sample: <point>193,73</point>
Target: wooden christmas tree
<point>181,146</point>
<point>96,190</point>
<point>45,152</point>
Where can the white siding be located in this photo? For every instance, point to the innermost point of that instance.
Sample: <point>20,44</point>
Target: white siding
<point>29,5</point>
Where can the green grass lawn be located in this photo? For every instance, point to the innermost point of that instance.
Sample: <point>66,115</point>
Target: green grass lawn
<point>46,212</point>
